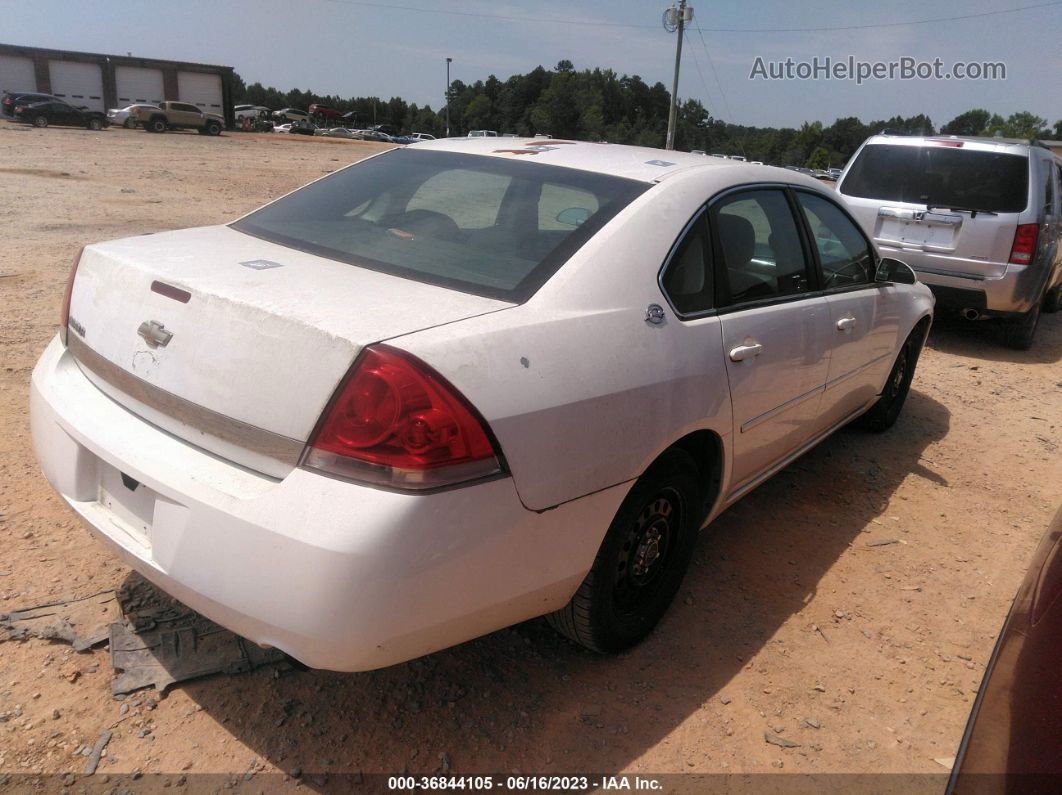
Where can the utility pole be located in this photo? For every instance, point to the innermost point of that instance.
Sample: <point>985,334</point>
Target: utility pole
<point>681,16</point>
<point>448,60</point>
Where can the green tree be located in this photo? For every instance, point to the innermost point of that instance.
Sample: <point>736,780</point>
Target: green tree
<point>972,122</point>
<point>819,159</point>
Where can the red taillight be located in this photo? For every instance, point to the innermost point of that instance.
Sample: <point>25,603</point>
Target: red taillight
<point>396,422</point>
<point>18,108</point>
<point>64,315</point>
<point>1024,244</point>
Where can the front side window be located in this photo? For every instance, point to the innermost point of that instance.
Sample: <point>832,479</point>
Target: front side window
<point>759,246</point>
<point>484,225</point>
<point>844,253</point>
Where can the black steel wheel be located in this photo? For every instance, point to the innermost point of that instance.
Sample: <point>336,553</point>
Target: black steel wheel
<point>883,414</point>
<point>641,562</point>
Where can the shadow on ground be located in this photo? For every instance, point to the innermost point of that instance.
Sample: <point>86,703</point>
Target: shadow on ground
<point>526,697</point>
<point>983,339</point>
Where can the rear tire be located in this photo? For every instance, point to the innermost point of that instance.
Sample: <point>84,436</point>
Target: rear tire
<point>641,562</point>
<point>156,126</point>
<point>95,125</point>
<point>1052,300</point>
<point>129,124</point>
<point>886,411</point>
<point>40,121</point>
<point>1018,334</point>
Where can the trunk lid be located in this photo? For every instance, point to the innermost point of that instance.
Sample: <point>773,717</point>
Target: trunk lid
<point>233,343</point>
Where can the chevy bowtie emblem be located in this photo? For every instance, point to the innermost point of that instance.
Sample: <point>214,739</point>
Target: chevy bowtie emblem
<point>154,334</point>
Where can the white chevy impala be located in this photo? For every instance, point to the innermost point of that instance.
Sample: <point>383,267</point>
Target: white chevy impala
<point>459,385</point>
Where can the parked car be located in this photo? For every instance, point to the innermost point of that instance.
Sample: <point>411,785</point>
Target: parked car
<point>482,134</point>
<point>124,117</point>
<point>7,104</point>
<point>404,140</point>
<point>435,440</point>
<point>422,136</point>
<point>323,114</point>
<point>336,132</point>
<point>1011,739</point>
<point>375,135</point>
<point>177,116</point>
<point>977,218</point>
<point>757,163</point>
<point>823,174</point>
<point>801,170</point>
<point>291,114</point>
<point>252,112</point>
<point>41,114</point>
<point>835,172</point>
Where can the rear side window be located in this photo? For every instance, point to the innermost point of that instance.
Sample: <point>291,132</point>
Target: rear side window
<point>484,225</point>
<point>759,246</point>
<point>940,176</point>
<point>843,252</point>
<point>688,280</point>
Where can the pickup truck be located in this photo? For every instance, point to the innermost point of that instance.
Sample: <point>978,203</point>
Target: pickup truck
<point>178,116</point>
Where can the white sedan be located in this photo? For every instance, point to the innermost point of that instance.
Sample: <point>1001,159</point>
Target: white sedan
<point>123,116</point>
<point>460,385</point>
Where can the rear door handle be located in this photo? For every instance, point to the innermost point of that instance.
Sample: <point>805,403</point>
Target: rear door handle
<point>743,352</point>
<point>846,323</point>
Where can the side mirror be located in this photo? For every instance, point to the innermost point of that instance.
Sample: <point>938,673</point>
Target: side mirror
<point>892,270</point>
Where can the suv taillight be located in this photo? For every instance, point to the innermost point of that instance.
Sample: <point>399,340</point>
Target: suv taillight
<point>396,422</point>
<point>64,315</point>
<point>1025,238</point>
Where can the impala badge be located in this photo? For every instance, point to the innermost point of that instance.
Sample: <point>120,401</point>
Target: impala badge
<point>154,334</point>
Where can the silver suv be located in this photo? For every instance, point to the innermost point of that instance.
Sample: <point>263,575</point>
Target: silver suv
<point>977,218</point>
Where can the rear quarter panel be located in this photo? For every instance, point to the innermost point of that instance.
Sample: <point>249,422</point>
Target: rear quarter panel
<point>581,392</point>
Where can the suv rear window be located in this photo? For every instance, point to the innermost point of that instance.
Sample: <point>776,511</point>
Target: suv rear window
<point>940,176</point>
<point>483,225</point>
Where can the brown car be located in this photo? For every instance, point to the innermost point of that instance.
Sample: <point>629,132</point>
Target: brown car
<point>178,116</point>
<point>1013,742</point>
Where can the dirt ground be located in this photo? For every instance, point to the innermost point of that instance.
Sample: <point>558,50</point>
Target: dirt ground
<point>792,622</point>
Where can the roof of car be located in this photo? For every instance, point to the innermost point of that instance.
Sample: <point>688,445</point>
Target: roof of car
<point>974,142</point>
<point>633,162</point>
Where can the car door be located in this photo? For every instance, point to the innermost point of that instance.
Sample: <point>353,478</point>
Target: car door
<point>775,327</point>
<point>864,316</point>
<point>61,113</point>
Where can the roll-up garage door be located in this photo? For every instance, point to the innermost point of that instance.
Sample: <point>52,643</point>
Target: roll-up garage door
<point>136,84</point>
<point>80,84</point>
<point>16,74</point>
<point>201,89</point>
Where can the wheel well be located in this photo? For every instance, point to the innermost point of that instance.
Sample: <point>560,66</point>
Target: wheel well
<point>706,450</point>
<point>924,324</point>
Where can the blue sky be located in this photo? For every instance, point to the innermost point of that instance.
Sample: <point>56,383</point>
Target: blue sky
<point>352,49</point>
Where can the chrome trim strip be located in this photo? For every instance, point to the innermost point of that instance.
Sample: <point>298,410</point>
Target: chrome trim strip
<point>748,426</point>
<point>977,277</point>
<point>841,378</point>
<point>233,431</point>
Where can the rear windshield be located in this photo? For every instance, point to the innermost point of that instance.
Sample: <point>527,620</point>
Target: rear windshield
<point>941,176</point>
<point>482,225</point>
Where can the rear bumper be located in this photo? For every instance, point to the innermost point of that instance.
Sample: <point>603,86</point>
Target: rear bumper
<point>1012,293</point>
<point>338,575</point>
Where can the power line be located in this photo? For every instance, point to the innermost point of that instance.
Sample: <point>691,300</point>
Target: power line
<point>715,74</point>
<point>607,24</point>
<point>884,24</point>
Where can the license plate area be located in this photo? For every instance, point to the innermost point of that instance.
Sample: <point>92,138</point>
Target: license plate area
<point>919,230</point>
<point>131,504</point>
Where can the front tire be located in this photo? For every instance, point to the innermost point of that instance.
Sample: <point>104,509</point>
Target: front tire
<point>1018,334</point>
<point>642,560</point>
<point>213,128</point>
<point>40,121</point>
<point>886,411</point>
